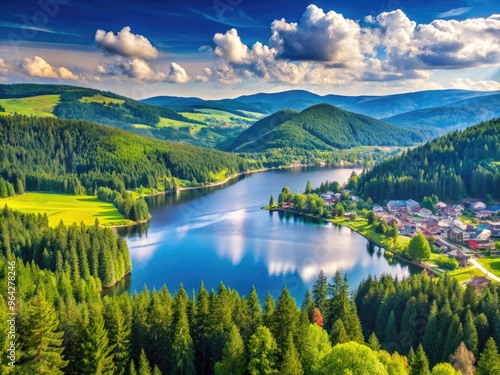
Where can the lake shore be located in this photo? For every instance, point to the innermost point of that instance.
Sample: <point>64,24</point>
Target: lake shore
<point>369,238</point>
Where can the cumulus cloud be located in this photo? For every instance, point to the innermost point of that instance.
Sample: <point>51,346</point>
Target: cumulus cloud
<point>125,44</point>
<point>327,48</point>
<point>318,36</point>
<point>200,78</point>
<point>38,67</point>
<point>136,69</point>
<point>177,74</point>
<point>468,84</point>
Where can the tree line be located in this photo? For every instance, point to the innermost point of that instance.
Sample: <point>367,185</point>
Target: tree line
<point>387,326</point>
<point>456,165</point>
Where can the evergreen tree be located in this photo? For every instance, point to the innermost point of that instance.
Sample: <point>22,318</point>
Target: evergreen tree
<point>269,308</point>
<point>338,334</point>
<point>391,334</point>
<point>308,305</point>
<point>291,364</point>
<point>271,202</point>
<point>373,342</point>
<point>309,188</point>
<point>419,365</point>
<point>489,361</point>
<point>470,333</point>
<point>43,348</point>
<point>262,352</point>
<point>144,368</point>
<point>320,291</point>
<point>255,311</point>
<point>233,356</point>
<point>285,319</point>
<point>182,351</point>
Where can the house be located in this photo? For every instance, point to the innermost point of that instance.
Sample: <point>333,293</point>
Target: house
<point>389,219</point>
<point>355,198</point>
<point>378,209</point>
<point>476,244</point>
<point>440,205</point>
<point>396,206</point>
<point>460,224</point>
<point>425,212</point>
<point>485,234</point>
<point>287,205</point>
<point>412,206</point>
<point>494,208</point>
<point>484,213</point>
<point>477,206</point>
<point>479,282</point>
<point>458,235</point>
<point>460,257</point>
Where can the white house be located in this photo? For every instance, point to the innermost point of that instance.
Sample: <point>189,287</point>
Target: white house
<point>477,206</point>
<point>425,212</point>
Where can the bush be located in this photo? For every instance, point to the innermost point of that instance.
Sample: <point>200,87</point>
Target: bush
<point>447,263</point>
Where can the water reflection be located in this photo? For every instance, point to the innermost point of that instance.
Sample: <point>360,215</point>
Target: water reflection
<point>222,234</point>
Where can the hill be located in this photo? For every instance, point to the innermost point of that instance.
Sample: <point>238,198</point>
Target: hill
<point>457,115</point>
<point>103,107</point>
<point>459,164</point>
<point>375,106</point>
<point>322,127</point>
<point>47,154</point>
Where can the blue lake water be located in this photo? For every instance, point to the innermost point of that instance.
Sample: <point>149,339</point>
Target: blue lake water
<point>220,233</point>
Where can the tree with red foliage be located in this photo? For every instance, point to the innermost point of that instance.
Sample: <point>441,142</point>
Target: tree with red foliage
<point>318,319</point>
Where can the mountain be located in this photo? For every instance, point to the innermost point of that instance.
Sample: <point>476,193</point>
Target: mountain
<point>103,107</point>
<point>323,127</point>
<point>375,106</point>
<point>459,114</point>
<point>456,165</point>
<point>260,128</point>
<point>45,153</point>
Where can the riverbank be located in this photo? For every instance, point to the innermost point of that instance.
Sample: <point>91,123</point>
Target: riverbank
<point>362,227</point>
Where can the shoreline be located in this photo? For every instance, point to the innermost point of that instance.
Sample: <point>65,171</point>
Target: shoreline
<point>393,253</point>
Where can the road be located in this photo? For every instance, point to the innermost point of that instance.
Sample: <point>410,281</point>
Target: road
<point>474,262</point>
<point>480,267</point>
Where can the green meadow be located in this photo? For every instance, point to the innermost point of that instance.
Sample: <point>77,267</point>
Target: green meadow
<point>33,106</point>
<point>68,208</point>
<point>98,98</point>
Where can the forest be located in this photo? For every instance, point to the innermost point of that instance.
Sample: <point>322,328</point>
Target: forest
<point>457,165</point>
<point>47,154</point>
<point>416,325</point>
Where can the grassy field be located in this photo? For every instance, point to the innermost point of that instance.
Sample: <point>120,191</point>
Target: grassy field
<point>218,117</point>
<point>69,208</point>
<point>361,225</point>
<point>492,264</point>
<point>36,105</point>
<point>464,274</point>
<point>166,122</point>
<point>98,98</point>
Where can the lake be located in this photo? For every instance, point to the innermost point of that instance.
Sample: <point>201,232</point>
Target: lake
<point>221,233</point>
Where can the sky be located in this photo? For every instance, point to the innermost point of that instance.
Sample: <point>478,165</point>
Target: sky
<point>226,48</point>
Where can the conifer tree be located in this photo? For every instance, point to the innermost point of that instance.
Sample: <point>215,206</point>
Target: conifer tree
<point>307,306</point>
<point>255,311</point>
<point>489,361</point>
<point>463,360</point>
<point>233,356</point>
<point>419,365</point>
<point>118,334</point>
<point>291,364</point>
<point>320,291</point>
<point>269,308</point>
<point>391,334</point>
<point>470,333</point>
<point>200,330</point>
<point>262,353</point>
<point>338,334</point>
<point>182,351</point>
<point>43,340</point>
<point>285,319</point>
<point>373,342</point>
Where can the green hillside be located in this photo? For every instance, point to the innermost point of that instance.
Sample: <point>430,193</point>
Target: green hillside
<point>47,154</point>
<point>459,164</point>
<point>103,107</point>
<point>325,127</point>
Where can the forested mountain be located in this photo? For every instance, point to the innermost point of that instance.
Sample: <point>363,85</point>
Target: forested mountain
<point>325,127</point>
<point>459,164</point>
<point>103,107</point>
<point>260,128</point>
<point>64,326</point>
<point>50,154</point>
<point>457,115</point>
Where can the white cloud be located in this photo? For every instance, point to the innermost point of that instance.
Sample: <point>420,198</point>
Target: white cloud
<point>126,44</point>
<point>38,67</point>
<point>327,48</point>
<point>455,12</point>
<point>319,36</point>
<point>230,47</point>
<point>177,74</point>
<point>5,68</point>
<point>200,78</point>
<point>136,69</point>
<point>468,84</point>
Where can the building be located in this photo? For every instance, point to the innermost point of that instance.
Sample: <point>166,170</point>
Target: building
<point>397,206</point>
<point>484,234</point>
<point>412,206</point>
<point>479,282</point>
<point>440,205</point>
<point>477,206</point>
<point>461,258</point>
<point>378,209</point>
<point>481,244</point>
<point>425,212</point>
<point>458,235</point>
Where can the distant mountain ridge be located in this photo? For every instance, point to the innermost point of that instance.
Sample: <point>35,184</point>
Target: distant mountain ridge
<point>323,127</point>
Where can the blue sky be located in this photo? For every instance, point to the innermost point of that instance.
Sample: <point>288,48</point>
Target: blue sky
<point>224,48</point>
